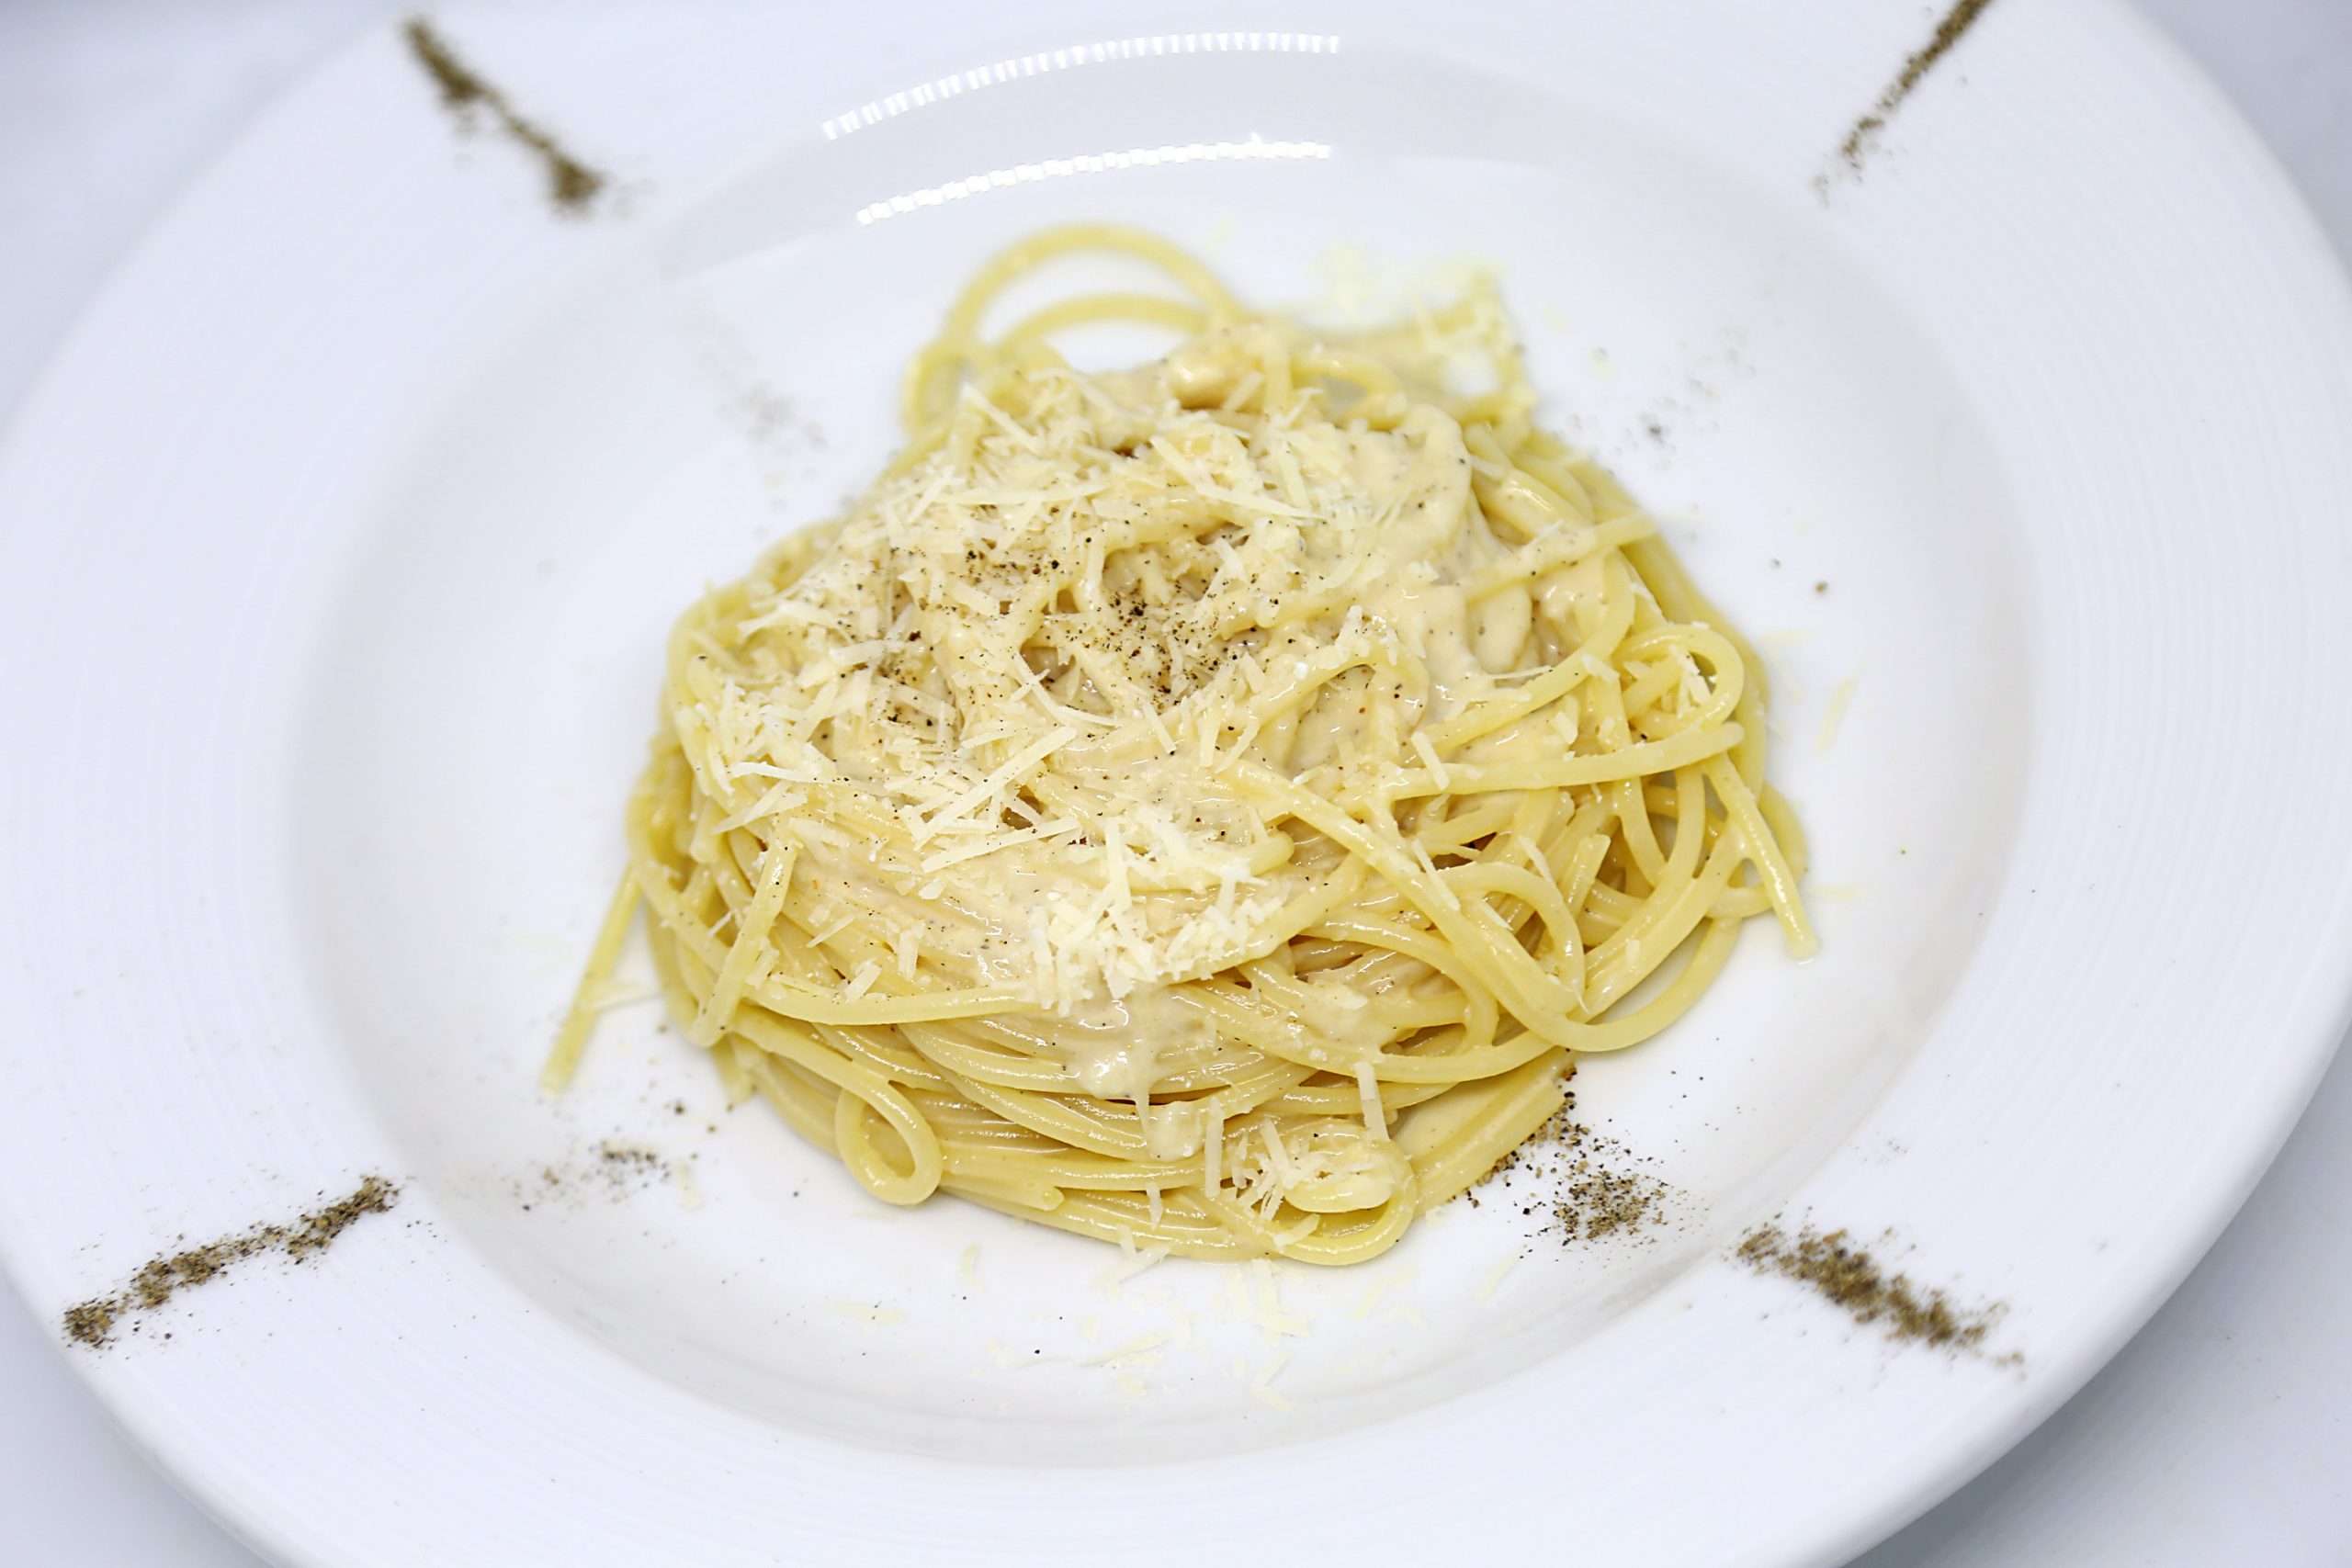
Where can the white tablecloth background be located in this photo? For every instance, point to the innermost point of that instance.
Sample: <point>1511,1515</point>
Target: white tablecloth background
<point>2222,1435</point>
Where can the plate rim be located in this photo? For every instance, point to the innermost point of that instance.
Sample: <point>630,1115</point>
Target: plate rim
<point>2287,1096</point>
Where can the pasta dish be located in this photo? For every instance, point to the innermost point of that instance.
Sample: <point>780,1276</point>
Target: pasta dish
<point>1206,806</point>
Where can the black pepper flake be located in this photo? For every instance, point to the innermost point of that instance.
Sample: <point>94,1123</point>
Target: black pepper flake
<point>1594,1187</point>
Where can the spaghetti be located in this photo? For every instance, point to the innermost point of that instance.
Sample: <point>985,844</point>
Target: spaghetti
<point>1205,807</point>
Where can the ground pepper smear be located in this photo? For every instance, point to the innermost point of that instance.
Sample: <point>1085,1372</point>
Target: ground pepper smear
<point>93,1323</point>
<point>572,186</point>
<point>1864,135</point>
<point>1849,1277</point>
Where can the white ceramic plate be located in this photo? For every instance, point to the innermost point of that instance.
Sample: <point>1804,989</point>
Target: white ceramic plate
<point>337,545</point>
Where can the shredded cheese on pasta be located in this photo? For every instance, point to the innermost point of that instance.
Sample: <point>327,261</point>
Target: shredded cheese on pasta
<point>1205,807</point>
